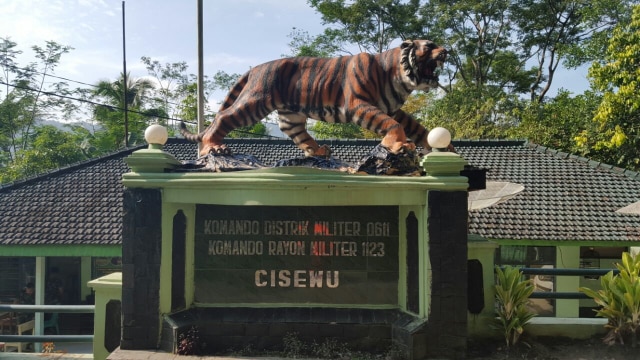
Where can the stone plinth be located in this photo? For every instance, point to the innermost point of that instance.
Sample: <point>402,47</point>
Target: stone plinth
<point>253,255</point>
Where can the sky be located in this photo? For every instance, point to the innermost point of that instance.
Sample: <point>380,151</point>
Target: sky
<point>238,34</point>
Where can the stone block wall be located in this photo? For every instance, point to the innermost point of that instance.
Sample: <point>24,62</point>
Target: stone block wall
<point>445,334</point>
<point>141,245</point>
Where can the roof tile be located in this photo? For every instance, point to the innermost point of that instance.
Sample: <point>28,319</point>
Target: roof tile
<point>566,197</point>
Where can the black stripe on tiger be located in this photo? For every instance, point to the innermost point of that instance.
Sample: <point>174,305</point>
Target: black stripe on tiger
<point>372,119</point>
<point>367,89</point>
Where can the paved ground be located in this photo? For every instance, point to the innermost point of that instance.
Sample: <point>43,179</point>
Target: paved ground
<point>151,355</point>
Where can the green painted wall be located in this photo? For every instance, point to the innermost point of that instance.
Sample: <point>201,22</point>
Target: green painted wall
<point>289,187</point>
<point>483,250</point>
<point>61,250</point>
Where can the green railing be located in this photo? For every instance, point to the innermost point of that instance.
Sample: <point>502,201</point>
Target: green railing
<point>563,272</point>
<point>47,309</point>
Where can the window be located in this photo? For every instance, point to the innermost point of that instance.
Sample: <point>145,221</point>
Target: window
<point>16,273</point>
<point>596,258</point>
<point>532,257</point>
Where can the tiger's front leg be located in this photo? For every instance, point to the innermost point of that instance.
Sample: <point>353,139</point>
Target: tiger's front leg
<point>374,119</point>
<point>413,129</point>
<point>416,131</point>
<point>294,125</point>
<point>396,140</point>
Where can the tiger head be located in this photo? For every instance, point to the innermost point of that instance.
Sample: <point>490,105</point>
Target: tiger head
<point>419,60</point>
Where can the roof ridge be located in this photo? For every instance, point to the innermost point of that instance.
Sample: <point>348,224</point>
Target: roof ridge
<point>67,168</point>
<point>486,142</point>
<point>634,175</point>
<point>350,141</point>
<point>459,142</point>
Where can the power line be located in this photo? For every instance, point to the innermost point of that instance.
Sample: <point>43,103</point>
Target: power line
<point>119,108</point>
<point>112,107</point>
<point>14,67</point>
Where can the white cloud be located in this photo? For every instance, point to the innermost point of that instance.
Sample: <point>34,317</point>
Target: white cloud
<point>229,63</point>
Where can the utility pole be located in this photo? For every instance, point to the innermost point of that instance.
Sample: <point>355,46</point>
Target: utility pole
<point>200,84</point>
<point>124,80</point>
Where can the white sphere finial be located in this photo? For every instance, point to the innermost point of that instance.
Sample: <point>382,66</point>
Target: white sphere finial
<point>439,138</point>
<point>156,134</point>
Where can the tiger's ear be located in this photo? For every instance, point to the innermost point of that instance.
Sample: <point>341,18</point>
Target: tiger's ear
<point>406,43</point>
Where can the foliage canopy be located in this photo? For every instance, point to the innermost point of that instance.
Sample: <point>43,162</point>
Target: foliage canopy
<point>497,83</point>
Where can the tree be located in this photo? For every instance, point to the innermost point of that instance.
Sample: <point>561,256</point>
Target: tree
<point>616,137</point>
<point>224,81</point>
<point>372,25</point>
<point>324,130</point>
<point>188,108</point>
<point>466,112</point>
<point>51,148</point>
<point>518,45</point>
<point>554,32</point>
<point>176,90</point>
<point>256,130</point>
<point>500,51</point>
<point>113,92</point>
<point>111,115</point>
<point>556,122</point>
<point>303,44</point>
<point>26,95</point>
<point>14,122</point>
<point>171,84</point>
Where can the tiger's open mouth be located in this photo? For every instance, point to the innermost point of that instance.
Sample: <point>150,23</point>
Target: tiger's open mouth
<point>419,62</point>
<point>429,67</point>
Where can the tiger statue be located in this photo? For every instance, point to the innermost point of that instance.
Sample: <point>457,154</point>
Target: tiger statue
<point>365,89</point>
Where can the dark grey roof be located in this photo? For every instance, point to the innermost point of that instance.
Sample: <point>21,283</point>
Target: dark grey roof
<point>77,205</point>
<point>566,198</point>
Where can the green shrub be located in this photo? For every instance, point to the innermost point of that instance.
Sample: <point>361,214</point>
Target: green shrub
<point>512,295</point>
<point>619,300</point>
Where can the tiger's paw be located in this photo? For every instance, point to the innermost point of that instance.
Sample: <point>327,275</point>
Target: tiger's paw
<point>215,150</point>
<point>223,151</point>
<point>399,147</point>
<point>322,151</point>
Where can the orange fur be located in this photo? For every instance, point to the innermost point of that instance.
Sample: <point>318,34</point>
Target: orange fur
<point>365,89</point>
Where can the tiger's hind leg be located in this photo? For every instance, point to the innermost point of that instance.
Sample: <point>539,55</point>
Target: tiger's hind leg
<point>227,120</point>
<point>212,140</point>
<point>294,125</point>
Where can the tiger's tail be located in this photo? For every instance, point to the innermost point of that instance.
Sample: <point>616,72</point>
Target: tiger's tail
<point>188,134</point>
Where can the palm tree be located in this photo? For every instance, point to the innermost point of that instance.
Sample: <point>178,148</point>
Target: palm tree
<point>111,114</point>
<point>113,92</point>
